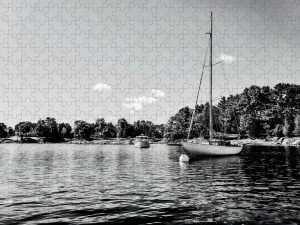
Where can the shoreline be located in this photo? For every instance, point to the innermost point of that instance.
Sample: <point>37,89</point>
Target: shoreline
<point>272,142</point>
<point>38,140</point>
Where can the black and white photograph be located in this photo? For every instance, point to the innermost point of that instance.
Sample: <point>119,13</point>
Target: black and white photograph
<point>149,112</point>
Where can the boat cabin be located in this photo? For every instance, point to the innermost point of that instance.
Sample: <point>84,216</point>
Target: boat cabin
<point>142,138</point>
<point>219,142</point>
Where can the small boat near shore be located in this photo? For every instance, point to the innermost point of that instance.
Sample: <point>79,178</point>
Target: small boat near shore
<point>142,141</point>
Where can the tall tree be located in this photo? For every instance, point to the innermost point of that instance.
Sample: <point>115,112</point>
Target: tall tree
<point>48,129</point>
<point>65,130</point>
<point>109,131</point>
<point>258,112</point>
<point>82,130</point>
<point>178,124</point>
<point>11,131</point>
<point>100,126</point>
<point>3,130</point>
<point>25,128</point>
<point>121,127</point>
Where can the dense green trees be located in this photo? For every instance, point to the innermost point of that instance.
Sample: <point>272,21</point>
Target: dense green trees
<point>144,127</point>
<point>177,126</point>
<point>10,131</point>
<point>83,130</point>
<point>109,131</point>
<point>99,126</point>
<point>3,130</point>
<point>103,129</point>
<point>122,127</point>
<point>48,129</point>
<point>158,131</point>
<point>6,131</point>
<point>25,128</point>
<point>257,112</point>
<point>65,130</point>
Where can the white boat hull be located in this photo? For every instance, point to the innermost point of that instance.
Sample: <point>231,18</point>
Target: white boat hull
<point>211,150</point>
<point>141,144</point>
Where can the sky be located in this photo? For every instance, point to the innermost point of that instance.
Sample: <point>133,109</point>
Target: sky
<point>138,59</point>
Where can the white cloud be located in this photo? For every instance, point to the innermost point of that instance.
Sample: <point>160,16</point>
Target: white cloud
<point>136,103</point>
<point>102,87</point>
<point>142,99</point>
<point>228,59</point>
<point>135,106</point>
<point>158,93</point>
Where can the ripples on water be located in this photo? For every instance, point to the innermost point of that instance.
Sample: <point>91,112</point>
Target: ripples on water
<point>86,184</point>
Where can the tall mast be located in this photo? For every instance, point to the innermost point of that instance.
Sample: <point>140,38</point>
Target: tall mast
<point>210,84</point>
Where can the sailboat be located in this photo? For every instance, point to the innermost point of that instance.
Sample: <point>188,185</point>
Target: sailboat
<point>212,147</point>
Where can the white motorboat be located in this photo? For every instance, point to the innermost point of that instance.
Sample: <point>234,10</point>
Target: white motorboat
<point>211,147</point>
<point>142,141</point>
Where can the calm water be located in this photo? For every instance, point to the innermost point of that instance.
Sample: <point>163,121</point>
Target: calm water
<point>86,184</point>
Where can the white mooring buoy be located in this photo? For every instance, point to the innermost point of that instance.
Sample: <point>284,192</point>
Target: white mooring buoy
<point>184,158</point>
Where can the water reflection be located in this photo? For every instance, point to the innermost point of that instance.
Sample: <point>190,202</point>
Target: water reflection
<point>122,184</point>
<point>270,167</point>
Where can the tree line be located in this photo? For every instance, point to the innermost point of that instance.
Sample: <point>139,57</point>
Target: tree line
<point>257,112</point>
<point>52,131</point>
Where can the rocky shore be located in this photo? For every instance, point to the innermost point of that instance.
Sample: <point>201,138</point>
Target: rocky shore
<point>294,141</point>
<point>38,140</point>
<point>275,141</point>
